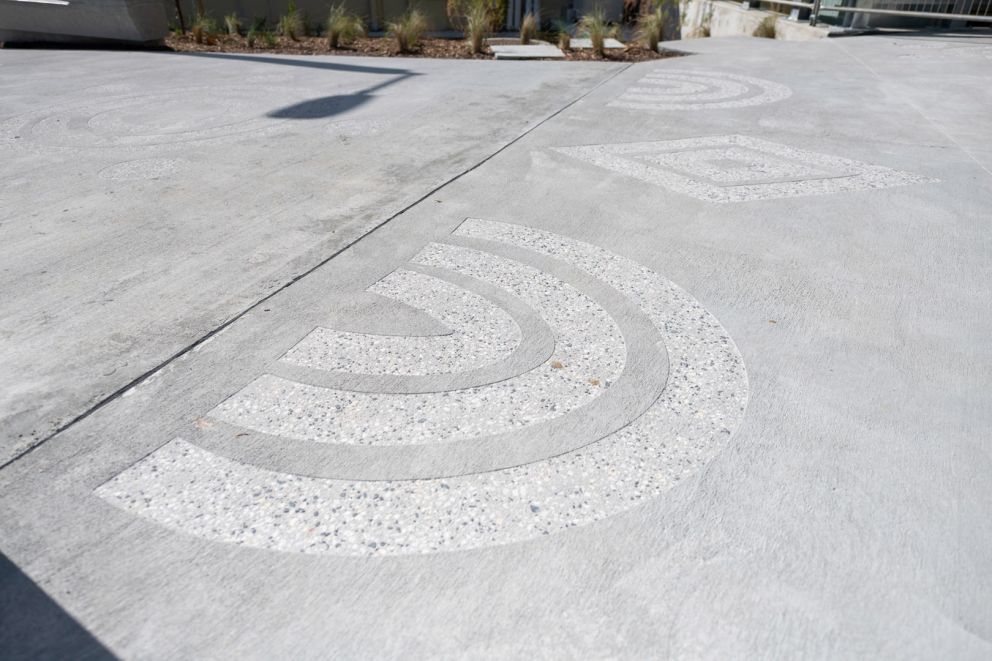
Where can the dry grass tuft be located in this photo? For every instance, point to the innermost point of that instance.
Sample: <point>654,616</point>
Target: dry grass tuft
<point>204,30</point>
<point>766,29</point>
<point>650,29</point>
<point>291,25</point>
<point>408,30</point>
<point>528,28</point>
<point>233,24</point>
<point>343,27</point>
<point>595,26</point>
<point>478,23</point>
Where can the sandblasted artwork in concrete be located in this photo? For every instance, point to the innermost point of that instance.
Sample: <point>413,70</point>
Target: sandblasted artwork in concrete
<point>135,120</point>
<point>480,334</point>
<point>737,168</point>
<point>145,168</point>
<point>588,342</point>
<point>645,451</point>
<point>665,89</point>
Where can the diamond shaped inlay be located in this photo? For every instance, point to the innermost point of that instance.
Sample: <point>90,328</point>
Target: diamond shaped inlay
<point>737,168</point>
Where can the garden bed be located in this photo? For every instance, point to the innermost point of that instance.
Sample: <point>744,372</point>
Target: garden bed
<point>385,47</point>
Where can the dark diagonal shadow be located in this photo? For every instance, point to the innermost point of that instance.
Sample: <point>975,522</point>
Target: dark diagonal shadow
<point>33,626</point>
<point>321,108</point>
<point>310,63</point>
<point>326,106</point>
<point>329,106</point>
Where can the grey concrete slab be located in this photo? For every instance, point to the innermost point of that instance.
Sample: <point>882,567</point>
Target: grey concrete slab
<point>528,52</point>
<point>947,87</point>
<point>582,42</point>
<point>149,197</point>
<point>801,468</point>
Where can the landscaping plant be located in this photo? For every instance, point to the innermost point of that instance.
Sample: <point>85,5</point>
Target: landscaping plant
<point>478,22</point>
<point>564,32</point>
<point>528,28</point>
<point>291,25</point>
<point>765,29</point>
<point>459,10</point>
<point>204,29</point>
<point>595,26</point>
<point>343,26</point>
<point>233,24</point>
<point>408,29</point>
<point>650,28</point>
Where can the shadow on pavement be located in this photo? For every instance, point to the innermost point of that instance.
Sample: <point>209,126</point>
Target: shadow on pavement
<point>33,626</point>
<point>311,63</point>
<point>329,106</point>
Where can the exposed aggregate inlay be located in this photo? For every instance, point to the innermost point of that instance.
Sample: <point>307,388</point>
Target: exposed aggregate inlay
<point>589,356</point>
<point>133,120</point>
<point>666,89</point>
<point>737,168</point>
<point>481,334</point>
<point>189,489</point>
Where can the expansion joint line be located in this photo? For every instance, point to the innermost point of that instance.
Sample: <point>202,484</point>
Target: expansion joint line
<point>916,108</point>
<point>223,326</point>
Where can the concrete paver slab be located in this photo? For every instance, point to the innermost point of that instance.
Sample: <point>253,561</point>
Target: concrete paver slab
<point>528,52</point>
<point>581,42</point>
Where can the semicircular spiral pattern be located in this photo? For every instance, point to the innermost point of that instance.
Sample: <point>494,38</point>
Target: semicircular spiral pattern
<point>587,340</point>
<point>674,89</point>
<point>195,491</point>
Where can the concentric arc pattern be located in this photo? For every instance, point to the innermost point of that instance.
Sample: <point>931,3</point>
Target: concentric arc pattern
<point>189,489</point>
<point>588,341</point>
<point>676,89</point>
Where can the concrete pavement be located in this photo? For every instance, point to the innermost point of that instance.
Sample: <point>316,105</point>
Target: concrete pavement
<point>695,368</point>
<point>133,220</point>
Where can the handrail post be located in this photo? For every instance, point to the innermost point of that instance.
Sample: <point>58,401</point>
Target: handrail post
<point>814,13</point>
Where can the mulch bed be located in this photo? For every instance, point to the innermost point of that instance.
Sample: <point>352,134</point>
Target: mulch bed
<point>386,47</point>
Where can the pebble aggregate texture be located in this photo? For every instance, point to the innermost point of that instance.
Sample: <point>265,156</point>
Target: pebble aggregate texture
<point>191,490</point>
<point>481,333</point>
<point>587,341</point>
<point>736,168</point>
<point>665,89</point>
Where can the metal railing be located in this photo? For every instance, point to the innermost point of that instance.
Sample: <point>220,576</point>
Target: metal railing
<point>950,10</point>
<point>965,11</point>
